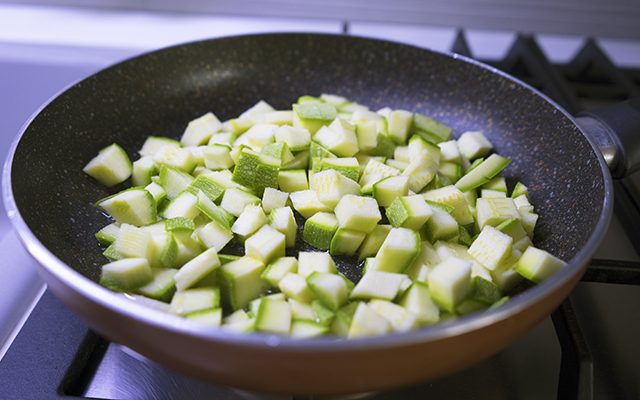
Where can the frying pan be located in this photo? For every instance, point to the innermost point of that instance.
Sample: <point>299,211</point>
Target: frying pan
<point>49,199</point>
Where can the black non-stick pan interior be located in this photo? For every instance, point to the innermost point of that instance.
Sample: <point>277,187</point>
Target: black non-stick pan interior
<point>157,94</point>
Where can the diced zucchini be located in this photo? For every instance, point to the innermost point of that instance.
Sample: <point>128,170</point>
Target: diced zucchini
<point>380,285</point>
<point>217,157</point>
<point>309,262</point>
<point>293,180</point>
<point>373,241</point>
<point>449,152</point>
<point>251,219</point>
<point>296,138</point>
<point>157,192</point>
<point>339,138</point>
<point>108,234</point>
<point>256,137</point>
<point>241,282</point>
<point>133,206</point>
<point>254,305</point>
<point>313,115</point>
<point>399,124</point>
<point>274,316</point>
<point>483,173</point>
<point>346,242</point>
<point>418,146</point>
<point>484,291</point>
<point>278,269</point>
<point>234,201</point>
<point>306,203</point>
<point>300,310</point>
<point>358,213</point>
<point>449,283</point>
<point>522,244</point>
<point>417,300</point>
<point>126,275</point>
<point>215,235</point>
<point>184,205</point>
<point>196,269</point>
<point>162,286</point>
<point>451,171</point>
<point>192,300</point>
<point>199,130</point>
<point>154,143</point>
<point>512,227</point>
<point>498,183</point>
<point>388,189</point>
<point>420,171</point>
<point>303,329</point>
<point>367,134</point>
<point>441,225</point>
<point>343,317</point>
<point>211,317</point>
<point>330,289</point>
<point>366,322</point>
<point>133,242</point>
<point>295,286</point>
<point>282,220</point>
<point>324,315</point>
<point>211,211</point>
<point>143,170</point>
<point>430,129</point>
<point>519,190</point>
<point>529,220</point>
<point>319,230</point>
<point>256,171</point>
<point>399,249</point>
<point>473,145</point>
<point>223,138</point>
<point>279,151</point>
<point>491,247</point>
<point>110,167</point>
<point>494,211</point>
<point>179,158</point>
<point>452,197</point>
<point>537,265</point>
<point>401,319</point>
<point>491,194</point>
<point>273,198</point>
<point>374,172</point>
<point>265,245</point>
<point>347,166</point>
<point>300,160</point>
<point>331,186</point>
<point>207,186</point>
<point>173,180</point>
<point>409,212</point>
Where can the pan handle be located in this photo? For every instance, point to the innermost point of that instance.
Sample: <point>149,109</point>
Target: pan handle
<point>616,130</point>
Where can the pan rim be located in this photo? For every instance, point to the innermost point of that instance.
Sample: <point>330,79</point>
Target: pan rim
<point>116,303</point>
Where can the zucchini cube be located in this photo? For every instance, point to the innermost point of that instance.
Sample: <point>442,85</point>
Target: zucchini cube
<point>241,282</point>
<point>173,180</point>
<point>319,230</point>
<point>215,235</point>
<point>142,171</point>
<point>235,200</point>
<point>295,287</point>
<point>347,166</point>
<point>274,316</point>
<point>430,129</point>
<point>388,189</point>
<point>279,151</point>
<point>537,265</point>
<point>273,198</point>
<point>441,225</point>
<point>296,138</point>
<point>482,173</point>
<point>133,242</point>
<point>373,241</point>
<point>265,245</point>
<point>184,205</point>
<point>251,219</point>
<point>306,202</point>
<point>400,319</point>
<point>342,321</point>
<point>211,317</point>
<point>300,310</point>
<point>110,167</point>
<point>331,186</point>
<point>399,124</point>
<point>473,144</point>
<point>256,171</point>
<point>196,269</point>
<point>179,158</point>
<point>374,172</point>
<point>199,130</point>
<point>293,180</point>
<point>304,329</point>
<point>192,300</point>
<point>346,242</point>
<point>449,283</point>
<point>331,289</point>
<point>380,285</point>
<point>278,269</point>
<point>339,138</point>
<point>366,322</point>
<point>409,212</point>
<point>453,197</point>
<point>494,211</point>
<point>358,213</point>
<point>313,115</point>
<point>133,206</point>
<point>282,220</point>
<point>154,143</point>
<point>398,251</point>
<point>309,262</point>
<point>418,301</point>
<point>126,275</point>
<point>217,157</point>
<point>491,248</point>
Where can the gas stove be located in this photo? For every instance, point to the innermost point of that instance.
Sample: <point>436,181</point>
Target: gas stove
<point>587,349</point>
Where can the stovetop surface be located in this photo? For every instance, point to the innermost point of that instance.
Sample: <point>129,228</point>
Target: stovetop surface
<point>588,349</point>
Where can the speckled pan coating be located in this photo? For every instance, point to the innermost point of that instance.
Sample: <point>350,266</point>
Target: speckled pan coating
<point>157,94</point>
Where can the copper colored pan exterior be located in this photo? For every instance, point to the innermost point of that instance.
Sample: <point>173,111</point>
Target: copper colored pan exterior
<point>49,198</point>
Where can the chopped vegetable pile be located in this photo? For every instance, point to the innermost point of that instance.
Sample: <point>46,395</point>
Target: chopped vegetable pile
<point>430,217</point>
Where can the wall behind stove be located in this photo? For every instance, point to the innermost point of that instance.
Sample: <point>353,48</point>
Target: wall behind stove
<point>602,18</point>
